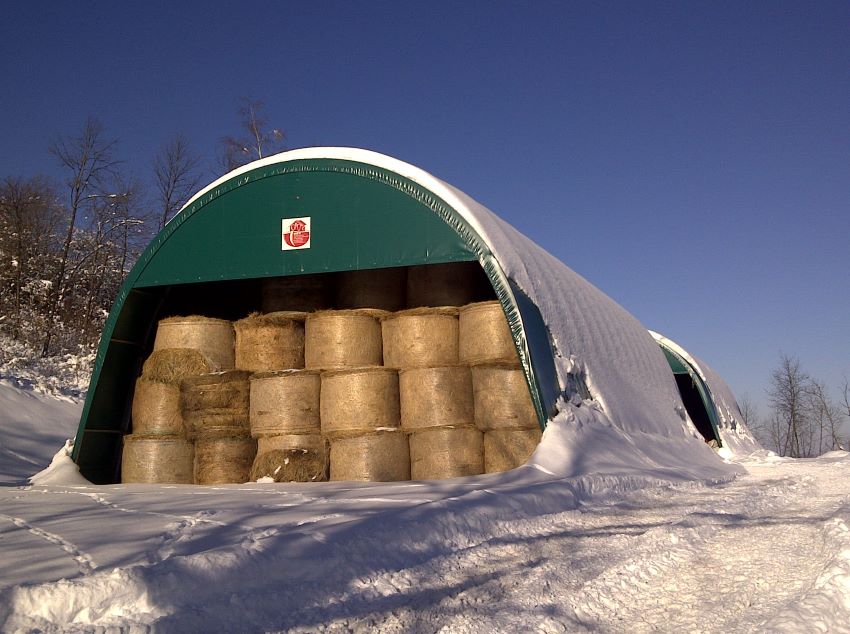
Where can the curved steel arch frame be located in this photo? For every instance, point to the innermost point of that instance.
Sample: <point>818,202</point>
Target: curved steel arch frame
<point>367,216</point>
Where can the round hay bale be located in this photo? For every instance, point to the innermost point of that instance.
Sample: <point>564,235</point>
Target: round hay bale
<point>449,284</point>
<point>343,338</point>
<point>502,399</point>
<point>224,459</point>
<point>372,288</point>
<point>274,341</point>
<point>485,336</point>
<point>506,449</point>
<point>291,458</point>
<point>435,397</point>
<point>380,457</point>
<point>421,338</point>
<point>446,452</point>
<point>285,403</point>
<point>156,409</point>
<point>172,365</point>
<point>359,400</point>
<point>157,460</point>
<point>297,292</point>
<point>219,400</point>
<point>212,337</point>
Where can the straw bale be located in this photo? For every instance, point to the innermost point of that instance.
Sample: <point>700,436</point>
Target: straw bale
<point>359,400</point>
<point>449,284</point>
<point>506,449</point>
<point>157,460</point>
<point>372,288</point>
<point>172,365</point>
<point>378,457</point>
<point>212,337</point>
<point>291,458</point>
<point>215,400</point>
<point>446,452</point>
<point>270,342</point>
<point>485,336</point>
<point>156,409</point>
<point>297,292</point>
<point>421,338</point>
<point>285,403</point>
<point>434,397</point>
<point>343,338</point>
<point>502,399</point>
<point>224,460</point>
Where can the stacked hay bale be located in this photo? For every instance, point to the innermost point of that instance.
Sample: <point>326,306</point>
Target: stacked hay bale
<point>284,417</point>
<point>216,412</point>
<point>435,393</point>
<point>335,339</point>
<point>360,418</point>
<point>350,393</point>
<point>270,342</point>
<point>503,407</point>
<point>158,450</point>
<point>211,337</point>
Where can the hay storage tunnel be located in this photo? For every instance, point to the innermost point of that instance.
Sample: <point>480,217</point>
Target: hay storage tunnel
<point>324,212</point>
<point>356,210</point>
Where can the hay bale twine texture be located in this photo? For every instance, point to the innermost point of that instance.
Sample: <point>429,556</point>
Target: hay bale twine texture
<point>421,338</point>
<point>372,288</point>
<point>274,341</point>
<point>157,460</point>
<point>172,365</point>
<point>285,403</point>
<point>212,337</point>
<point>216,401</point>
<point>435,397</point>
<point>156,409</point>
<point>502,399</point>
<point>297,293</point>
<point>378,457</point>
<point>485,336</point>
<point>506,449</point>
<point>450,284</point>
<point>343,338</point>
<point>224,459</point>
<point>446,452</point>
<point>359,400</point>
<point>291,458</point>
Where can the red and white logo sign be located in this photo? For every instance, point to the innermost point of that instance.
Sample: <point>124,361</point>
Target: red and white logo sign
<point>296,233</point>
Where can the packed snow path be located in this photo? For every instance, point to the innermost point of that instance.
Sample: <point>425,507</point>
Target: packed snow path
<point>768,551</point>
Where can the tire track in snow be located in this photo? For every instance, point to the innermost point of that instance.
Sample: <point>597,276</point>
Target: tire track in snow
<point>84,561</point>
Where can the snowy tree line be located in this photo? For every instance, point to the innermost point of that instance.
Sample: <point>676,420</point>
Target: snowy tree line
<point>67,244</point>
<point>804,419</point>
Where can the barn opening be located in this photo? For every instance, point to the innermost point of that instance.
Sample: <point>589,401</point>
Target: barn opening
<point>695,396</point>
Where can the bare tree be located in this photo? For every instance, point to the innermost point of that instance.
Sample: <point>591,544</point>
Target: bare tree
<point>826,416</point>
<point>88,160</point>
<point>177,177</point>
<point>259,140</point>
<point>29,217</point>
<point>787,395</point>
<point>114,233</point>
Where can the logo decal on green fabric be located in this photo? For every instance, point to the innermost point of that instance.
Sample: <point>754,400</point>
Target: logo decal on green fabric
<point>296,233</point>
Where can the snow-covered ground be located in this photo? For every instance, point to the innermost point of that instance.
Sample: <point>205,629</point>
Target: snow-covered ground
<point>636,550</point>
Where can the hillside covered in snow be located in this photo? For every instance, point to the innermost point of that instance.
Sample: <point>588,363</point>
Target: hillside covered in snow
<point>632,549</point>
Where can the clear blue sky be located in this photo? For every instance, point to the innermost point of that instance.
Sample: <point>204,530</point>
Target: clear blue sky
<point>691,159</point>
